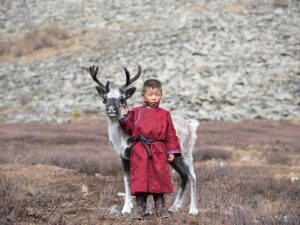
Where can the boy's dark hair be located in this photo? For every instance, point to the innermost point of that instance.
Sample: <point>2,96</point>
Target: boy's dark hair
<point>152,83</point>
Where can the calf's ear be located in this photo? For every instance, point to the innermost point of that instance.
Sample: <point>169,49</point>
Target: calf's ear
<point>129,92</point>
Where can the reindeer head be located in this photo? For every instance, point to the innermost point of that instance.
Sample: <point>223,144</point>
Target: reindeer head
<point>114,100</point>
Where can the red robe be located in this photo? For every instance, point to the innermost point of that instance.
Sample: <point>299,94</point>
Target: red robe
<point>151,175</point>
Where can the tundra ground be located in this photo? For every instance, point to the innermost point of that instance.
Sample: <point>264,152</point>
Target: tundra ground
<point>247,173</point>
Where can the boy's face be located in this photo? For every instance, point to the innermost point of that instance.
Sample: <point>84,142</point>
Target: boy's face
<point>152,96</point>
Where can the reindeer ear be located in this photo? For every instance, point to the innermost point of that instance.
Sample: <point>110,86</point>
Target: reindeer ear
<point>129,92</point>
<point>100,91</point>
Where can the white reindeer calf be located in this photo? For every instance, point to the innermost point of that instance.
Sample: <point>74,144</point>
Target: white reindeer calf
<point>114,101</point>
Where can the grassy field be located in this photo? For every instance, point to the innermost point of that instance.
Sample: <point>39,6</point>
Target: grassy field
<point>247,173</point>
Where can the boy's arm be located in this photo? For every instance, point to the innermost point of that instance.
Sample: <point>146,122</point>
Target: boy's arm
<point>172,143</point>
<point>126,121</point>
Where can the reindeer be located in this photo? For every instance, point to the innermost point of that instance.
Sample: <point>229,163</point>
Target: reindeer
<point>114,101</point>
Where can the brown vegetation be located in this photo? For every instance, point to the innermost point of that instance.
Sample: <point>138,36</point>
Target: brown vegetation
<point>242,177</point>
<point>10,203</point>
<point>34,39</point>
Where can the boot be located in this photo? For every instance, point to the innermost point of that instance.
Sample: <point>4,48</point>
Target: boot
<point>160,206</point>
<point>139,211</point>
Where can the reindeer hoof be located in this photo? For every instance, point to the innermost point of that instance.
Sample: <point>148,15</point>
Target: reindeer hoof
<point>126,210</point>
<point>193,212</point>
<point>173,208</point>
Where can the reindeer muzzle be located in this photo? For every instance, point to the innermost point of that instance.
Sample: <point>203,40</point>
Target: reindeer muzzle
<point>111,111</point>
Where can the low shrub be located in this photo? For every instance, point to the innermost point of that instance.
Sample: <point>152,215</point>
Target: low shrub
<point>211,153</point>
<point>10,203</point>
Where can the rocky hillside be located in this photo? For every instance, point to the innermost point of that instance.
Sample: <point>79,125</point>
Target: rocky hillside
<point>217,60</point>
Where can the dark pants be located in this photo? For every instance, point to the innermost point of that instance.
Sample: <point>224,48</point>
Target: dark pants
<point>142,196</point>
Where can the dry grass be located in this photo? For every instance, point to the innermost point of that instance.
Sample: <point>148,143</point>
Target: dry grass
<point>229,191</point>
<point>209,153</point>
<point>64,147</point>
<point>240,196</point>
<point>279,155</point>
<point>10,202</point>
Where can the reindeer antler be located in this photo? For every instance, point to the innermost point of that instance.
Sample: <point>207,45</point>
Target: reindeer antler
<point>93,71</point>
<point>128,80</point>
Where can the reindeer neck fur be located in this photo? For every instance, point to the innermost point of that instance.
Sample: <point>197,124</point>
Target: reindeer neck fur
<point>117,137</point>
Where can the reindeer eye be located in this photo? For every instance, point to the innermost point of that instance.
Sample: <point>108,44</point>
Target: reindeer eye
<point>123,101</point>
<point>104,100</point>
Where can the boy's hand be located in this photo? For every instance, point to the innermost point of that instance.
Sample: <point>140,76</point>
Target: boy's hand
<point>125,111</point>
<point>171,157</point>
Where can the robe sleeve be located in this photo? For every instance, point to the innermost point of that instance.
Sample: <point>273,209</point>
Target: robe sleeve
<point>172,143</point>
<point>127,122</point>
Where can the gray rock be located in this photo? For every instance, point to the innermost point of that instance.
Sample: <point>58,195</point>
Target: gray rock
<point>214,64</point>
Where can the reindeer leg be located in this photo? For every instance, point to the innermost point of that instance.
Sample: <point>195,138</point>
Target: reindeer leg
<point>192,181</point>
<point>181,168</point>
<point>128,200</point>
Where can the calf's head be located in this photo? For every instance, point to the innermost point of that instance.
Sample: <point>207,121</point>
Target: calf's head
<point>115,99</point>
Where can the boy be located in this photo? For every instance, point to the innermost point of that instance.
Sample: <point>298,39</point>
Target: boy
<point>154,143</point>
